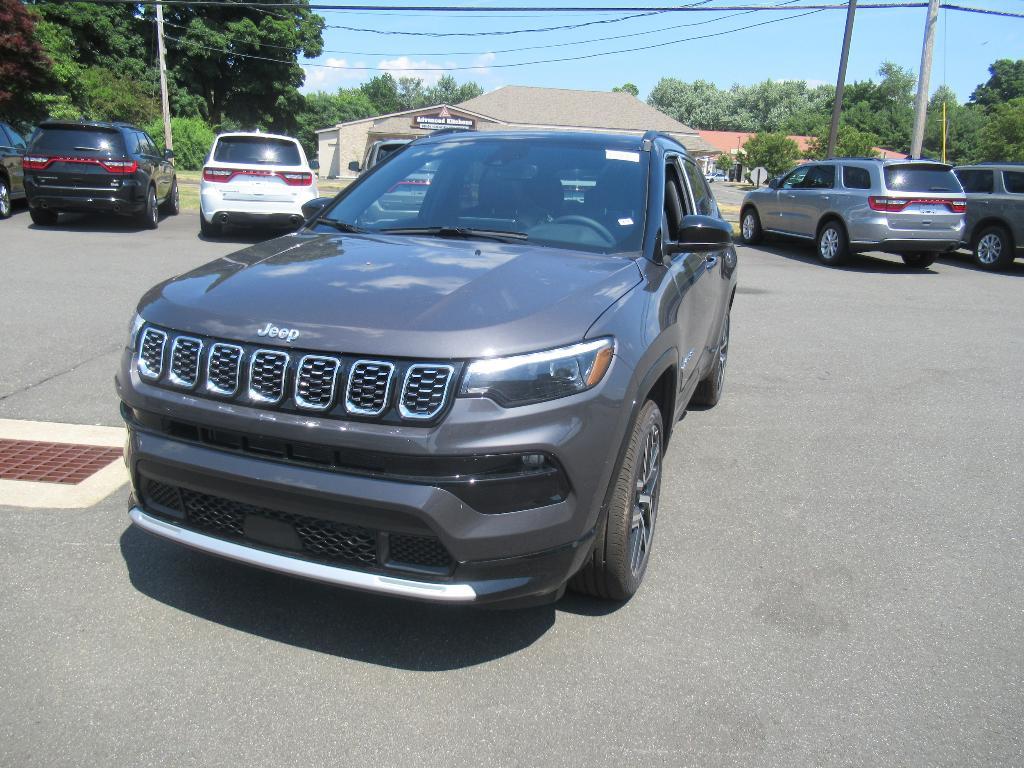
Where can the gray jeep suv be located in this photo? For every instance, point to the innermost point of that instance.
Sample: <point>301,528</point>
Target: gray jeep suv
<point>995,212</point>
<point>913,208</point>
<point>459,396</point>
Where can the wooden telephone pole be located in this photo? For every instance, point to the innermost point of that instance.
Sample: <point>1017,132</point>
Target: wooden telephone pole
<point>921,102</point>
<point>837,106</point>
<point>164,103</point>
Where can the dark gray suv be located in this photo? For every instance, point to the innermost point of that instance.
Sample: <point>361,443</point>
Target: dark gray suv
<point>995,212</point>
<point>459,396</point>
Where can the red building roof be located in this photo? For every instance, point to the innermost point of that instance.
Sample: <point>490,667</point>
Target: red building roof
<point>731,141</point>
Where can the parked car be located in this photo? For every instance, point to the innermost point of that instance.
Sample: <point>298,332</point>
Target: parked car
<point>995,212</point>
<point>467,401</point>
<point>377,153</point>
<point>95,166</point>
<point>12,176</point>
<point>913,208</point>
<point>714,175</point>
<point>255,178</point>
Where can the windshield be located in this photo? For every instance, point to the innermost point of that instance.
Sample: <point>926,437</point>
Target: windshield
<point>555,192</point>
<point>921,178</point>
<point>78,140</point>
<point>256,150</point>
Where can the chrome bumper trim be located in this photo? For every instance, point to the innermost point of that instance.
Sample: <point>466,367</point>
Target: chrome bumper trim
<point>343,577</point>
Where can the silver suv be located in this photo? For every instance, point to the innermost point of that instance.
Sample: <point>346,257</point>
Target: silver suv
<point>914,208</point>
<point>995,212</point>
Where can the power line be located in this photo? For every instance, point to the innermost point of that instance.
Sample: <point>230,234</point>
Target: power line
<point>301,5</point>
<point>496,33</point>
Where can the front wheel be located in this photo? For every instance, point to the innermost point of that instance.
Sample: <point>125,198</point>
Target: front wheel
<point>993,248</point>
<point>833,247</point>
<point>172,205</point>
<point>918,260</point>
<point>709,391</point>
<point>622,547</point>
<point>750,227</point>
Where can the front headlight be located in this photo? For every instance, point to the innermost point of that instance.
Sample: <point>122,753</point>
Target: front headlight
<point>133,329</point>
<point>538,376</point>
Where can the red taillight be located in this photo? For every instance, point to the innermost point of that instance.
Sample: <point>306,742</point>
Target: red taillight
<point>217,174</point>
<point>120,166</point>
<point>40,163</point>
<point>35,163</point>
<point>897,204</point>
<point>297,179</point>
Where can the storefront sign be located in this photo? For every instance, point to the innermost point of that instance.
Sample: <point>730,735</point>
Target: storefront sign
<point>443,119</point>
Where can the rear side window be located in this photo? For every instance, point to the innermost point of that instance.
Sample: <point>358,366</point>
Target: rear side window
<point>85,140</point>
<point>920,178</point>
<point>11,137</point>
<point>257,150</point>
<point>856,178</point>
<point>1014,181</point>
<point>976,181</point>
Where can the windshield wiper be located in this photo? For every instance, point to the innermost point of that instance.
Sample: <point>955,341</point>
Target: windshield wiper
<point>494,234</point>
<point>341,226</point>
<point>91,149</point>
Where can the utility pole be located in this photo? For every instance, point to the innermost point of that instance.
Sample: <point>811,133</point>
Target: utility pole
<point>164,103</point>
<point>921,102</point>
<point>837,106</point>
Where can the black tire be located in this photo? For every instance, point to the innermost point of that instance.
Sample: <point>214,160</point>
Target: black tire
<point>209,228</point>
<point>622,546</point>
<point>918,260</point>
<point>6,207</point>
<point>149,218</point>
<point>832,244</point>
<point>709,391</point>
<point>992,248</point>
<point>43,217</point>
<point>172,205</point>
<point>750,226</point>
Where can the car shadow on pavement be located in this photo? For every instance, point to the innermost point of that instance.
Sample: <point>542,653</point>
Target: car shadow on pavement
<point>964,260</point>
<point>93,222</point>
<point>370,628</point>
<point>858,262</point>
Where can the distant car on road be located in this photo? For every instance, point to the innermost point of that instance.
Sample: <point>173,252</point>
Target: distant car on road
<point>377,153</point>
<point>995,212</point>
<point>255,178</point>
<point>12,177</point>
<point>913,208</point>
<point>713,176</point>
<point>95,166</point>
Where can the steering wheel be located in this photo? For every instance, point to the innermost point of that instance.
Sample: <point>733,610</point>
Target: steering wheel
<point>584,221</point>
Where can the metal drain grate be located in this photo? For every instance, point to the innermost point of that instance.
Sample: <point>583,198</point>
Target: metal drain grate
<point>40,462</point>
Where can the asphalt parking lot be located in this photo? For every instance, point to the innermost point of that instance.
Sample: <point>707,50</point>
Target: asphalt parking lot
<point>836,580</point>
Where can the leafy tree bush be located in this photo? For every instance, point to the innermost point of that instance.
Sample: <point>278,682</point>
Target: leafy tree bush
<point>775,151</point>
<point>849,143</point>
<point>192,140</point>
<point>1002,138</point>
<point>24,66</point>
<point>1006,82</point>
<point>322,110</point>
<point>627,88</point>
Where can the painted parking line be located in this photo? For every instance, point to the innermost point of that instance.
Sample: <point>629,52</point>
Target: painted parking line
<point>69,466</point>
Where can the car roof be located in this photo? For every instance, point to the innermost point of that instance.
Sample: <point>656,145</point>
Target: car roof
<point>992,166</point>
<point>256,134</point>
<point>625,141</point>
<point>87,124</point>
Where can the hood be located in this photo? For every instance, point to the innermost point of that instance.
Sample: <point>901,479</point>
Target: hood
<point>398,295</point>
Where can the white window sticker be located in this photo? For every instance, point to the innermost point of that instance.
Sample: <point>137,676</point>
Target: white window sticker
<point>616,154</point>
<point>625,222</point>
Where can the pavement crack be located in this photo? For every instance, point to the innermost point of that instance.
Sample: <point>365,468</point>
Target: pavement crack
<point>57,375</point>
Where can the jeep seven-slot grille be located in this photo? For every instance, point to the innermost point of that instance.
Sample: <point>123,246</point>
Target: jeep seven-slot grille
<point>339,386</point>
<point>424,392</point>
<point>266,376</point>
<point>222,369</point>
<point>185,361</point>
<point>314,386</point>
<point>368,387</point>
<point>316,538</point>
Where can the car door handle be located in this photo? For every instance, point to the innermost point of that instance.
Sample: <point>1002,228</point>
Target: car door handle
<point>710,261</point>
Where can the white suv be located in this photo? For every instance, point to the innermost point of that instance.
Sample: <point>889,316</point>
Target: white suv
<point>255,178</point>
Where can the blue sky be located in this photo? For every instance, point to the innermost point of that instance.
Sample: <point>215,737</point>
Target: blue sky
<point>799,49</point>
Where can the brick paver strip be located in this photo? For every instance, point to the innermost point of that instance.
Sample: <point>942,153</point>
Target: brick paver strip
<point>65,463</point>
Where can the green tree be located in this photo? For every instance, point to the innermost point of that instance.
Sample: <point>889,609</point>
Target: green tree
<point>849,143</point>
<point>412,94</point>
<point>322,110</point>
<point>884,108</point>
<point>211,50</point>
<point>192,140</point>
<point>1002,138</point>
<point>963,127</point>
<point>448,91</point>
<point>725,162</point>
<point>24,67</point>
<point>700,104</point>
<point>775,151</point>
<point>627,88</point>
<point>382,91</point>
<point>1006,82</point>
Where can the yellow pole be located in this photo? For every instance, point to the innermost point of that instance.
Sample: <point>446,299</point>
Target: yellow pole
<point>943,130</point>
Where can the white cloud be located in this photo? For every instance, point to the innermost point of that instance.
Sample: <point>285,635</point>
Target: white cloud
<point>429,71</point>
<point>483,62</point>
<point>331,78</point>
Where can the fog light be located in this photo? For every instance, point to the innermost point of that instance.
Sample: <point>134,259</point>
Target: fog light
<point>534,460</point>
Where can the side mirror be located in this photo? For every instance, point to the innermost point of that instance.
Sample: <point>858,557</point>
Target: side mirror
<point>168,154</point>
<point>354,166</point>
<point>701,233</point>
<point>314,165</point>
<point>775,182</point>
<point>314,206</point>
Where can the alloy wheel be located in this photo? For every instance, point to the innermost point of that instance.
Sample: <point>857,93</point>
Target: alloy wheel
<point>723,355</point>
<point>645,500</point>
<point>748,226</point>
<point>154,214</point>
<point>990,248</point>
<point>5,201</point>
<point>828,246</point>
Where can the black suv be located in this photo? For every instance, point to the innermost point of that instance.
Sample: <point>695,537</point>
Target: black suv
<point>89,166</point>
<point>12,180</point>
<point>460,396</point>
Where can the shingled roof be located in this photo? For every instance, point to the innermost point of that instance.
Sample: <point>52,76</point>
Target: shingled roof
<point>606,110</point>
